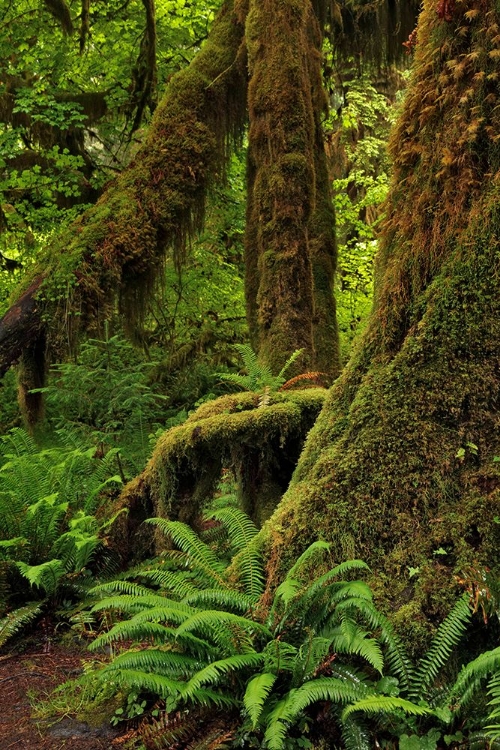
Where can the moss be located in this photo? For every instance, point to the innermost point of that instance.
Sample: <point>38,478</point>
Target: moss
<point>389,472</point>
<point>289,251</point>
<point>116,249</point>
<point>259,444</point>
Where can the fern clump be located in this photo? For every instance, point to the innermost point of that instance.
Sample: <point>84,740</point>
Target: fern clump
<point>206,639</point>
<point>258,377</point>
<point>50,539</point>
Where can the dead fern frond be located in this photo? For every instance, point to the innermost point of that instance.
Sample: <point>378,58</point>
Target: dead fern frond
<point>305,380</point>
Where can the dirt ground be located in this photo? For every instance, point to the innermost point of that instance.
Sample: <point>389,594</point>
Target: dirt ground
<point>30,676</point>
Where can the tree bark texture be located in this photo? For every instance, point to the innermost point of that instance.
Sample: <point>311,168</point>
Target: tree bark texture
<point>290,240</point>
<point>400,468</point>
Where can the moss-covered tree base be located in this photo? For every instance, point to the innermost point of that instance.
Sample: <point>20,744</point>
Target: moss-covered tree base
<point>400,469</point>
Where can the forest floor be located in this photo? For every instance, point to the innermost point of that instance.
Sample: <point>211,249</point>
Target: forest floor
<point>27,678</point>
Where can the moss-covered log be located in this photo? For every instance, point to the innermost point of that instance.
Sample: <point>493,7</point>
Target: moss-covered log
<point>259,444</point>
<point>115,250</point>
<point>286,196</point>
<point>401,467</point>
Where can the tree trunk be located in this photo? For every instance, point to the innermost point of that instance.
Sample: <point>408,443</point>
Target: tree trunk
<point>114,251</point>
<point>290,246</point>
<point>400,468</point>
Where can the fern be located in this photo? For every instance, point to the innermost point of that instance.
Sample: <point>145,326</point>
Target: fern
<point>382,704</point>
<point>190,543</point>
<point>258,375</point>
<point>256,694</point>
<point>355,735</point>
<point>214,672</point>
<point>448,635</point>
<point>45,576</point>
<point>17,619</point>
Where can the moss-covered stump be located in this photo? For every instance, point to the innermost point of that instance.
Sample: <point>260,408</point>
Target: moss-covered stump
<point>400,468</point>
<point>260,444</point>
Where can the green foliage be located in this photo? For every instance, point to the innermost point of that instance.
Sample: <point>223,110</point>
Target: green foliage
<point>105,399</point>
<point>50,539</point>
<point>258,376</point>
<point>359,126</point>
<point>320,642</point>
<point>17,619</point>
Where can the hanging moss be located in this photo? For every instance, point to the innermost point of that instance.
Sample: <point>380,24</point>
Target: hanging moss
<point>399,469</point>
<point>285,106</point>
<point>116,249</point>
<point>259,444</point>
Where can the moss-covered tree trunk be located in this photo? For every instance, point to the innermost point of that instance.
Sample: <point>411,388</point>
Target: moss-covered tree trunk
<point>290,246</point>
<point>112,255</point>
<point>400,468</point>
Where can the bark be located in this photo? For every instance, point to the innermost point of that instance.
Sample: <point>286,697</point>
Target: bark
<point>290,249</point>
<point>114,252</point>
<point>401,462</point>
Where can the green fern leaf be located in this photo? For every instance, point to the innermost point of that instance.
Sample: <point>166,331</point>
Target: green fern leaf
<point>449,633</point>
<point>473,674</point>
<point>17,619</point>
<point>213,673</point>
<point>383,704</point>
<point>228,600</point>
<point>256,694</point>
<point>355,735</point>
<point>46,576</point>
<point>166,663</point>
<point>190,543</point>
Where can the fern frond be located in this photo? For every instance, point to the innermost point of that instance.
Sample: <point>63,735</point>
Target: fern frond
<point>355,735</point>
<point>310,656</point>
<point>449,633</point>
<point>381,704</point>
<point>226,599</point>
<point>241,530</point>
<point>493,727</point>
<point>120,587</point>
<point>17,619</point>
<point>323,689</point>
<point>288,709</point>
<point>142,681</point>
<point>291,359</point>
<point>190,543</point>
<point>231,632</point>
<point>277,723</point>
<point>175,582</point>
<point>206,697</point>
<point>45,576</point>
<point>472,674</point>
<point>166,663</point>
<point>256,694</point>
<point>131,603</point>
<point>214,672</point>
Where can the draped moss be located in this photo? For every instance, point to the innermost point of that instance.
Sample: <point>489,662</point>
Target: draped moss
<point>400,468</point>
<point>113,254</point>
